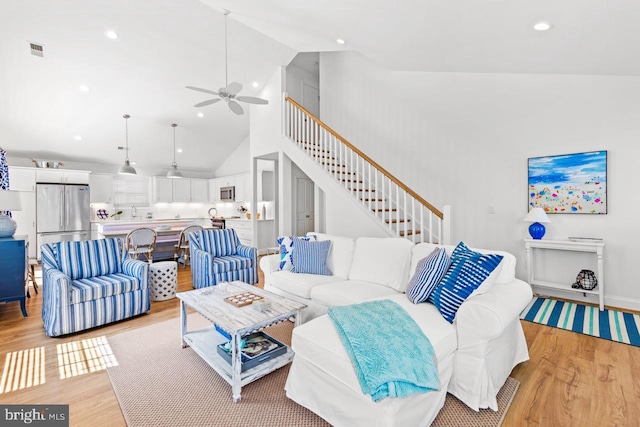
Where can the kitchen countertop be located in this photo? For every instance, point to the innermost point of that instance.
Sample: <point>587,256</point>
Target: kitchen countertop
<point>144,220</point>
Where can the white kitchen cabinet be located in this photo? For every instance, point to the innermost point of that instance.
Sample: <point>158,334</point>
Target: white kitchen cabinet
<point>26,219</point>
<point>214,190</point>
<point>101,187</point>
<point>181,190</point>
<point>162,189</point>
<point>242,188</point>
<point>62,176</point>
<point>131,190</point>
<point>22,179</point>
<point>199,190</point>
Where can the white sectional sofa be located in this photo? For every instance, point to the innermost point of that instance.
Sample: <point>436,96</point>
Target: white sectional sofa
<point>475,354</point>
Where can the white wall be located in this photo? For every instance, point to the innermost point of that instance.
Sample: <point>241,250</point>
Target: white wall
<point>237,163</point>
<point>296,77</point>
<point>464,139</point>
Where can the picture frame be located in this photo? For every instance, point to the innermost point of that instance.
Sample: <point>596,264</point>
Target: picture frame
<point>568,183</point>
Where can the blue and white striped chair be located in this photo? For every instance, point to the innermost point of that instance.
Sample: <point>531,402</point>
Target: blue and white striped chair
<point>217,256</point>
<point>91,283</point>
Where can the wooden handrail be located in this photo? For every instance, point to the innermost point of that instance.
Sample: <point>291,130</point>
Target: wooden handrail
<point>368,159</point>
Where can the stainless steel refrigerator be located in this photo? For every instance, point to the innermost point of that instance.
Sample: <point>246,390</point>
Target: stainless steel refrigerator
<point>62,213</point>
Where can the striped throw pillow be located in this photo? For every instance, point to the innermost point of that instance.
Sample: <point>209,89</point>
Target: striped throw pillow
<point>311,257</point>
<point>285,243</point>
<point>429,271</point>
<point>465,274</point>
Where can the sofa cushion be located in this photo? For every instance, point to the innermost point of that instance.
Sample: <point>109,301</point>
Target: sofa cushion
<point>89,258</point>
<point>382,260</point>
<point>340,254</point>
<point>465,275</point>
<point>349,292</point>
<point>285,243</point>
<point>318,342</point>
<point>429,271</point>
<point>93,288</point>
<point>230,263</point>
<point>310,257</point>
<point>299,284</point>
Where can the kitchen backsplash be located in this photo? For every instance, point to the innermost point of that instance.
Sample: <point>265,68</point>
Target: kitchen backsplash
<point>184,210</point>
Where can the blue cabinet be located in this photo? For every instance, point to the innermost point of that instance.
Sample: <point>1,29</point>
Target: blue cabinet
<point>13,270</point>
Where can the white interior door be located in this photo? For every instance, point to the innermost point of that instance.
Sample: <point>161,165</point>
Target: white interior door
<point>304,206</point>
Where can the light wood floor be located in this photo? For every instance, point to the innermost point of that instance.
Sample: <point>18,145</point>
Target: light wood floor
<point>571,379</point>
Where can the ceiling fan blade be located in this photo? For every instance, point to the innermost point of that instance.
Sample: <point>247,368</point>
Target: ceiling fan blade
<point>207,102</point>
<point>235,107</point>
<point>202,90</point>
<point>233,88</point>
<point>252,100</point>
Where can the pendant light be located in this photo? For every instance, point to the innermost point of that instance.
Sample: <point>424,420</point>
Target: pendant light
<point>174,172</point>
<point>126,169</point>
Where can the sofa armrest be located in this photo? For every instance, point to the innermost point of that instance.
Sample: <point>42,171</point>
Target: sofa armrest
<point>201,268</point>
<point>485,316</point>
<point>269,264</point>
<point>247,251</point>
<point>138,269</point>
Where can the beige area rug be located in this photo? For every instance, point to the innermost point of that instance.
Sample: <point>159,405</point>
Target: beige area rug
<point>158,383</point>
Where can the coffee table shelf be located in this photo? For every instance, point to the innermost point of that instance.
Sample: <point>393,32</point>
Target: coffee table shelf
<point>204,342</point>
<point>237,322</point>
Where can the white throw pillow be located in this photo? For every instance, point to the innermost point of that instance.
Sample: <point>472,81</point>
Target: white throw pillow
<point>340,253</point>
<point>382,260</point>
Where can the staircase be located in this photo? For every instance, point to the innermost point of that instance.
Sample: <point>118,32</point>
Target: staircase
<point>401,211</point>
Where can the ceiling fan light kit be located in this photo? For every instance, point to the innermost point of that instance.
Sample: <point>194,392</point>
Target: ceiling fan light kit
<point>174,172</point>
<point>126,169</point>
<point>230,92</point>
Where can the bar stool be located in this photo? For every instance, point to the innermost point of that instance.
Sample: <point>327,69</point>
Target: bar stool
<point>141,241</point>
<point>182,247</point>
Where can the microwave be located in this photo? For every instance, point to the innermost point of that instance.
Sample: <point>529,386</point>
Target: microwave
<point>228,194</point>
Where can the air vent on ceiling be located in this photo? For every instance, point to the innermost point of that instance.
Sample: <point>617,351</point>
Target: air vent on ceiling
<point>37,49</point>
<point>120,147</point>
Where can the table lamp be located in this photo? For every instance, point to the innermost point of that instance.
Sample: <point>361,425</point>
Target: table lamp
<point>536,216</point>
<point>9,201</point>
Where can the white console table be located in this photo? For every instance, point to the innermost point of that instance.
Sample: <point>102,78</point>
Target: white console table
<point>595,247</point>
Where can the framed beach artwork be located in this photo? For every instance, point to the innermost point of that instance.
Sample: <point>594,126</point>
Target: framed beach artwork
<point>569,183</point>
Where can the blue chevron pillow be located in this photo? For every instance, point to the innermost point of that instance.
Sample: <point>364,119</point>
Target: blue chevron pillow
<point>468,270</point>
<point>285,243</point>
<point>429,271</point>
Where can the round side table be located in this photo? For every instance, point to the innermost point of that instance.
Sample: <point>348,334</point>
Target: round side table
<point>163,280</point>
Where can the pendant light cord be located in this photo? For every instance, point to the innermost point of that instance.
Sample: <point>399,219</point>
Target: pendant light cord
<point>126,136</point>
<point>226,59</point>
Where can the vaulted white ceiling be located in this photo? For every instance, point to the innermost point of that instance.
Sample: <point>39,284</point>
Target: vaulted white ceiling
<point>164,45</point>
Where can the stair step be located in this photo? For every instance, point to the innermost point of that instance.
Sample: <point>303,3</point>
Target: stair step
<point>360,189</point>
<point>372,200</point>
<point>323,157</point>
<point>395,221</point>
<point>409,232</point>
<point>357,181</point>
<point>384,210</point>
<point>333,164</point>
<point>336,172</point>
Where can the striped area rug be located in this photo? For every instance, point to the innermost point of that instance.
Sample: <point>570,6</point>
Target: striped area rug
<point>612,325</point>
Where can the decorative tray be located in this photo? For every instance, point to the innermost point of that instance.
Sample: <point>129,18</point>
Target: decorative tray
<point>243,299</point>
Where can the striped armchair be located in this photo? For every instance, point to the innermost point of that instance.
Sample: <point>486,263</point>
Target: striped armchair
<point>217,256</point>
<point>91,283</point>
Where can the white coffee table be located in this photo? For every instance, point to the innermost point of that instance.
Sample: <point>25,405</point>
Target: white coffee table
<point>237,322</point>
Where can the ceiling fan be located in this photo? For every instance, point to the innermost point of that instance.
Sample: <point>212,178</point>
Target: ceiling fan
<point>229,93</point>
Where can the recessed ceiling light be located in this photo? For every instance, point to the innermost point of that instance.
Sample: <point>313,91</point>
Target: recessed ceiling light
<point>84,88</point>
<point>111,34</point>
<point>179,150</point>
<point>134,163</point>
<point>200,114</point>
<point>542,26</point>
<point>340,41</point>
<point>255,84</point>
<point>77,138</point>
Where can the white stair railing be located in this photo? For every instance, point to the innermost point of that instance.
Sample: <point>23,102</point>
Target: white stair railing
<point>403,212</point>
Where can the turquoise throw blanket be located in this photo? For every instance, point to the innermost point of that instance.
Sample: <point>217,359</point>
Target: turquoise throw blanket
<point>391,355</point>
